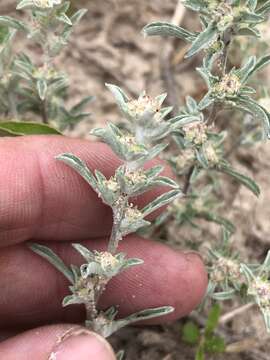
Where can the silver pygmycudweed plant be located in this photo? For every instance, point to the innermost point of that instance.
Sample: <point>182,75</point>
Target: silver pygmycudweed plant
<point>38,87</point>
<point>149,127</point>
<point>134,147</point>
<point>201,148</point>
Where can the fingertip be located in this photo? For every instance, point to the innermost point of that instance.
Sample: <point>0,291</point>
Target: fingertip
<point>87,345</point>
<point>57,342</point>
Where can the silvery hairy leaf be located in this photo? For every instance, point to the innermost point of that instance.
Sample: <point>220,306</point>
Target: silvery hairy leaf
<point>128,227</point>
<point>153,152</point>
<point>252,66</point>
<point>25,4</point>
<point>42,88</point>
<point>252,4</point>
<point>224,295</point>
<point>242,179</point>
<point>120,355</point>
<point>98,182</point>
<point>248,31</point>
<point>107,327</point>
<point>262,10</point>
<point>87,254</point>
<point>64,19</point>
<point>13,23</point>
<point>52,258</point>
<point>265,267</point>
<point>160,201</point>
<point>120,97</point>
<point>203,40</point>
<point>80,167</point>
<point>247,104</point>
<point>168,29</point>
<point>124,145</point>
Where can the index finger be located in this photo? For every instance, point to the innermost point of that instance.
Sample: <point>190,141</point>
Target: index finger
<point>42,198</point>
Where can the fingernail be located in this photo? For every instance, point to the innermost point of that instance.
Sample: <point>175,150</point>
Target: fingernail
<point>87,345</point>
<point>191,254</point>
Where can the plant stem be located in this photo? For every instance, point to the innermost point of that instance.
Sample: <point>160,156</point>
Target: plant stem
<point>91,311</point>
<point>118,214</point>
<point>44,113</point>
<point>187,182</point>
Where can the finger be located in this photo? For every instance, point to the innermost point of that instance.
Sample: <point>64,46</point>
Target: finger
<point>42,198</point>
<point>167,277</point>
<point>61,342</point>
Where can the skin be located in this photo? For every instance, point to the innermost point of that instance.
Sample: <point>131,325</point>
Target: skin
<point>43,200</point>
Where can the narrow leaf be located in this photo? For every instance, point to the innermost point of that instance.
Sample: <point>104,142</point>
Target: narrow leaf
<point>149,314</point>
<point>212,320</point>
<point>53,259</point>
<point>160,201</point>
<point>168,29</point>
<point>203,40</point>
<point>120,355</point>
<point>86,253</point>
<point>14,128</point>
<point>191,333</point>
<point>13,23</point>
<point>243,179</point>
<point>79,166</point>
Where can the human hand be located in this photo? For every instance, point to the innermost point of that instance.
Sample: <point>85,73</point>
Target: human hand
<point>43,200</point>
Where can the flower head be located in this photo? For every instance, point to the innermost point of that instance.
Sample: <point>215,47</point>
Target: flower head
<point>229,85</point>
<point>46,4</point>
<point>143,107</point>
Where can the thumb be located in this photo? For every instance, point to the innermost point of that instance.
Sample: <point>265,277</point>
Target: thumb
<point>58,342</point>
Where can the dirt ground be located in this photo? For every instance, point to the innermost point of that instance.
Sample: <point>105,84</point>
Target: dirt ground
<point>108,47</point>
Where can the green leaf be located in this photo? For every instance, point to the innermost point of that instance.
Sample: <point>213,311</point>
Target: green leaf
<point>200,353</point>
<point>191,333</point>
<point>243,179</point>
<point>53,259</point>
<point>214,345</point>
<point>212,320</point>
<point>80,167</point>
<point>203,40</point>
<point>168,29</point>
<point>14,128</point>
